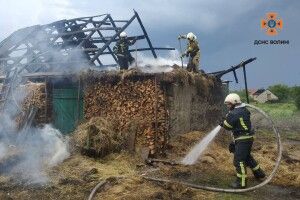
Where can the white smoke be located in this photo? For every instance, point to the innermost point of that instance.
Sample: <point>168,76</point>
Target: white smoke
<point>34,151</point>
<point>27,154</point>
<point>38,150</point>
<point>161,64</point>
<point>54,140</point>
<point>3,150</point>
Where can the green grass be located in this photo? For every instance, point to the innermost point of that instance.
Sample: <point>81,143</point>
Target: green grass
<point>292,135</point>
<point>279,110</point>
<point>286,118</point>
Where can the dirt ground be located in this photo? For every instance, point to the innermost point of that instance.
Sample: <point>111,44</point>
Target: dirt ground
<point>77,176</point>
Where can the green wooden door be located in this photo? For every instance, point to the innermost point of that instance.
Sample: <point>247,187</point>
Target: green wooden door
<point>67,109</point>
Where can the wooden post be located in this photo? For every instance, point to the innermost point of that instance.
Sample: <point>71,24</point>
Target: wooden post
<point>46,101</point>
<point>155,114</point>
<point>78,100</point>
<point>167,126</point>
<point>145,33</point>
<point>246,86</point>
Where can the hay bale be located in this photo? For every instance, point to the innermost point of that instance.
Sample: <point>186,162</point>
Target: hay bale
<point>98,137</point>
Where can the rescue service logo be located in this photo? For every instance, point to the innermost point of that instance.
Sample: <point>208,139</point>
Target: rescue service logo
<point>271,25</point>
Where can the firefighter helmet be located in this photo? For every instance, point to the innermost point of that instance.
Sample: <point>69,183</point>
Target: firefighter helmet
<point>191,36</point>
<point>123,34</point>
<point>233,99</point>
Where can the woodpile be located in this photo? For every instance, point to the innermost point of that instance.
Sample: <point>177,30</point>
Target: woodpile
<point>34,96</point>
<point>141,100</point>
<point>150,101</point>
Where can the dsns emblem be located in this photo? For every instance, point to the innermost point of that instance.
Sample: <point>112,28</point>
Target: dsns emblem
<point>272,24</point>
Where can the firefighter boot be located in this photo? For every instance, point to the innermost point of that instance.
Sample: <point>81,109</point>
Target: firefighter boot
<point>259,174</point>
<point>239,183</point>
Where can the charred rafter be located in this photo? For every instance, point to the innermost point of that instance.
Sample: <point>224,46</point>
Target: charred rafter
<point>56,45</point>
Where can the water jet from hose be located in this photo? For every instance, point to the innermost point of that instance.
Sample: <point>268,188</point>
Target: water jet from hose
<point>195,153</point>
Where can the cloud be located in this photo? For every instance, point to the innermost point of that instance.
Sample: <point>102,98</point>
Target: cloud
<point>19,14</point>
<point>205,15</point>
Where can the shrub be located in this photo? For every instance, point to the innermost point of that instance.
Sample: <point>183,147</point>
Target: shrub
<point>296,96</point>
<point>281,91</point>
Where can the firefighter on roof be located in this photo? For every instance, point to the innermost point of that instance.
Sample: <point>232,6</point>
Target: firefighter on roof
<point>121,49</point>
<point>192,51</point>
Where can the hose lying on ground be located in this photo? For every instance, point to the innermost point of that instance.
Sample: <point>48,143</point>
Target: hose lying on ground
<point>267,180</point>
<point>100,184</point>
<point>108,181</point>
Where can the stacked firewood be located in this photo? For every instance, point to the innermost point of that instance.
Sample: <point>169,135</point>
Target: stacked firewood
<point>141,101</point>
<point>34,96</point>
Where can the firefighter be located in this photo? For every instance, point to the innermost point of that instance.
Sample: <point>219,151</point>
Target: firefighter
<point>192,51</point>
<point>121,49</point>
<point>238,121</point>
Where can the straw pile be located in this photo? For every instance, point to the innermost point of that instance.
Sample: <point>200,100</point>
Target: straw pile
<point>99,137</point>
<point>203,82</point>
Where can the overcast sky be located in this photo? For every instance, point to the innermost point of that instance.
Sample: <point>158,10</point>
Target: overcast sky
<point>226,30</point>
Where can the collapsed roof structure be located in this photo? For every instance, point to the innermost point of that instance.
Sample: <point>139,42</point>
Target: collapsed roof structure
<point>58,45</point>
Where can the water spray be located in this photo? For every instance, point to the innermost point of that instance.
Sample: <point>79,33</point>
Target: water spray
<point>266,181</point>
<point>192,157</point>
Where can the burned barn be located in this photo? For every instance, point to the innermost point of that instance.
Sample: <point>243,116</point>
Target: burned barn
<point>54,52</point>
<point>161,105</point>
<point>63,68</point>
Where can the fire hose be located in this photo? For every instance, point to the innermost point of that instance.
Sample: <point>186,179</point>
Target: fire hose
<point>266,181</point>
<point>99,185</point>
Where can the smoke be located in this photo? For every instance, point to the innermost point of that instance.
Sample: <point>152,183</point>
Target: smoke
<point>27,154</point>
<point>149,64</point>
<point>3,150</point>
<point>67,58</point>
<point>39,149</point>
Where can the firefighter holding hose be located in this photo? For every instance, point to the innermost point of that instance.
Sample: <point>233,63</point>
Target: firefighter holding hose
<point>238,121</point>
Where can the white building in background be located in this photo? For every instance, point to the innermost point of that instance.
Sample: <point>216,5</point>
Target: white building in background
<point>262,95</point>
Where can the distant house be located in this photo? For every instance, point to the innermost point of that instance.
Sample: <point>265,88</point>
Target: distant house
<point>251,92</point>
<point>262,95</point>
